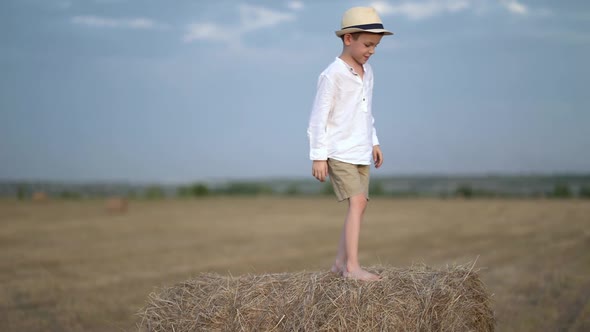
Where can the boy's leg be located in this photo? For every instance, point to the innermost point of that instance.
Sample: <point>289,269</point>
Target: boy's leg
<point>340,263</point>
<point>352,229</point>
<point>340,266</point>
<point>350,179</point>
<point>340,175</point>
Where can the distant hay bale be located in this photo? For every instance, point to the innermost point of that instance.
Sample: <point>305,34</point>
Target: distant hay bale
<point>418,298</point>
<point>116,205</point>
<point>39,196</point>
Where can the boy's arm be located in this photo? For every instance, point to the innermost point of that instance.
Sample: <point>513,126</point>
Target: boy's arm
<point>377,154</point>
<point>375,139</point>
<point>319,170</point>
<point>319,119</point>
<point>316,131</point>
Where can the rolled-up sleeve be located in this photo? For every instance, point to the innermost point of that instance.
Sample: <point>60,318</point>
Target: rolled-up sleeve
<point>318,121</point>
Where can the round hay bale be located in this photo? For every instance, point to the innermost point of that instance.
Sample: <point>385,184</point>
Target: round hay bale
<point>418,298</point>
<point>116,205</point>
<point>39,196</point>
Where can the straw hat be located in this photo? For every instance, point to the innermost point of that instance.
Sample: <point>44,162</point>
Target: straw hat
<point>361,19</point>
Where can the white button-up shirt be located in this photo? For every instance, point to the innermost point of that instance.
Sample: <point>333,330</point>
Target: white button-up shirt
<point>341,122</point>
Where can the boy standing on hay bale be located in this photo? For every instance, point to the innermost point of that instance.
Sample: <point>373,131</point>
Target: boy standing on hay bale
<point>341,133</point>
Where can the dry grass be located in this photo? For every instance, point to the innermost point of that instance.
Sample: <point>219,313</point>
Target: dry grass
<point>411,299</point>
<point>72,266</point>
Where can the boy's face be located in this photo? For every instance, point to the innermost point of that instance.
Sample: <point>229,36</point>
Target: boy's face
<point>363,47</point>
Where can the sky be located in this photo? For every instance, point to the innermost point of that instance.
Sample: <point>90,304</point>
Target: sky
<point>194,90</point>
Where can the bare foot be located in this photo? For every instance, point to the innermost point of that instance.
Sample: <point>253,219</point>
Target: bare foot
<point>337,269</point>
<point>360,274</point>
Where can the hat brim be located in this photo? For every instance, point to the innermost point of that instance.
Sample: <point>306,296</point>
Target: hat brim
<point>342,32</point>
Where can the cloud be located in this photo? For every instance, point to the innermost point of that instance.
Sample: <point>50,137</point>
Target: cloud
<point>424,9</point>
<point>209,31</point>
<point>255,17</point>
<point>420,10</point>
<point>515,7</point>
<point>252,18</point>
<point>105,22</point>
<point>295,5</point>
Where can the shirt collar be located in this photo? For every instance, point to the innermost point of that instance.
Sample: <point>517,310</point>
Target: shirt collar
<point>350,69</point>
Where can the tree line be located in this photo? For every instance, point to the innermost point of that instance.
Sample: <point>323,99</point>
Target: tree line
<point>377,189</point>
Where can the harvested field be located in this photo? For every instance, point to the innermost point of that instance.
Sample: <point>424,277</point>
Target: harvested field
<point>72,266</point>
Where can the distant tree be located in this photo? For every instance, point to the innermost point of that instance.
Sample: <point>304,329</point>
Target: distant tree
<point>376,189</point>
<point>561,191</point>
<point>154,192</point>
<point>464,191</point>
<point>66,194</point>
<point>183,191</point>
<point>292,190</point>
<point>327,189</point>
<point>584,192</point>
<point>247,188</point>
<point>21,192</point>
<point>131,194</point>
<point>444,194</point>
<point>199,190</point>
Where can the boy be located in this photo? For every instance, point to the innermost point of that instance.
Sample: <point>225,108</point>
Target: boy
<point>341,133</point>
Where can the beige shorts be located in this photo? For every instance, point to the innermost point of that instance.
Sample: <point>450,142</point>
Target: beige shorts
<point>348,180</point>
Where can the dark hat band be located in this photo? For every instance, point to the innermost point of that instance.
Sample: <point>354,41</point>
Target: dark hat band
<point>366,26</point>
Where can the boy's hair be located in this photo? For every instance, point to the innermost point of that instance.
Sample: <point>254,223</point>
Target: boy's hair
<point>355,35</point>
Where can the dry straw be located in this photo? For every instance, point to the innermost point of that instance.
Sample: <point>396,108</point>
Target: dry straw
<point>417,298</point>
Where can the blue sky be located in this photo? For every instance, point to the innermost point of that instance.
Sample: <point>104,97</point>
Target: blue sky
<point>187,90</point>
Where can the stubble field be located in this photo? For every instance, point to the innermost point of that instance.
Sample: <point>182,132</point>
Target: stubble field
<point>71,266</point>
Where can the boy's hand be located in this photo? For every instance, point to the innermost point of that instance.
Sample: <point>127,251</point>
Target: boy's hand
<point>319,170</point>
<point>377,156</point>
